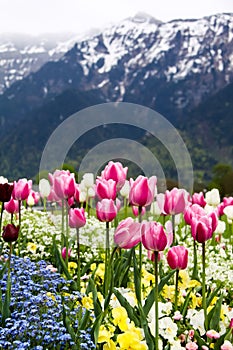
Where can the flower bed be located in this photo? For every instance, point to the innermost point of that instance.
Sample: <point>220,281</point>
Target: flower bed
<point>160,280</point>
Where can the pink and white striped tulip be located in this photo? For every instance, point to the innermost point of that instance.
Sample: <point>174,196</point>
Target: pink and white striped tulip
<point>106,210</point>
<point>153,236</point>
<point>116,172</point>
<point>22,189</point>
<point>127,234</point>
<point>142,191</point>
<point>173,202</point>
<point>106,189</point>
<point>77,217</point>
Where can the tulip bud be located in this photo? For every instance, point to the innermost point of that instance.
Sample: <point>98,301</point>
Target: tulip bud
<point>63,253</point>
<point>77,217</point>
<point>10,233</point>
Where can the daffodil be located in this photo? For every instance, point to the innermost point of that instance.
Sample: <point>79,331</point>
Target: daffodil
<point>131,340</point>
<point>120,318</point>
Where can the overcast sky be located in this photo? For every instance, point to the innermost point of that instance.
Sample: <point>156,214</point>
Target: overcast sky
<point>39,16</point>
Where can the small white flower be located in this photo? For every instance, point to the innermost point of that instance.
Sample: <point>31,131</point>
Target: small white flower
<point>168,329</point>
<point>197,320</point>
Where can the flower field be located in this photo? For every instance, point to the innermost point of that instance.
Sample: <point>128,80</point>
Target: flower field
<point>112,264</point>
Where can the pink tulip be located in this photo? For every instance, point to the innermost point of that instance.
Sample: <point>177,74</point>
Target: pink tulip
<point>106,189</point>
<point>64,186</point>
<point>106,210</point>
<point>77,193</point>
<point>202,228</point>
<point>153,236</point>
<point>116,172</point>
<point>142,191</point>
<point>151,255</point>
<point>198,198</point>
<point>173,202</point>
<point>12,206</point>
<point>127,233</point>
<point>33,198</point>
<point>21,189</point>
<point>57,173</point>
<point>177,257</point>
<point>52,197</point>
<point>193,210</point>
<point>135,211</point>
<point>226,201</point>
<point>63,253</point>
<point>77,217</point>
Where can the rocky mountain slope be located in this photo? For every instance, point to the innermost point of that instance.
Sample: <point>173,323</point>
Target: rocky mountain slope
<point>172,67</point>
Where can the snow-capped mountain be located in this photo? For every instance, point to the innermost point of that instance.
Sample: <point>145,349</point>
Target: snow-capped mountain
<point>171,67</point>
<point>22,54</point>
<point>136,60</point>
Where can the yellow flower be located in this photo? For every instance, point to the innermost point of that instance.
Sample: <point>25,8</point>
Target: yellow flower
<point>50,295</point>
<point>104,335</point>
<point>195,301</point>
<point>87,302</point>
<point>120,316</point>
<point>147,278</point>
<point>168,292</point>
<point>110,345</point>
<point>130,340</point>
<point>72,266</point>
<point>32,247</point>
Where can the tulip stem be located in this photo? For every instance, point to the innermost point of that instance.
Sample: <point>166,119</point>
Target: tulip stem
<point>107,255</point>
<point>62,223</point>
<point>140,258</point>
<point>67,231</point>
<point>156,301</point>
<point>173,230</point>
<point>203,285</point>
<point>19,237</point>
<point>195,272</point>
<point>79,262</point>
<point>2,208</point>
<point>176,288</point>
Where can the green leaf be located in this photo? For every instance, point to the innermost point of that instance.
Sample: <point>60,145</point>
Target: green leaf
<point>214,315</point>
<point>212,295</point>
<point>96,327</point>
<point>137,284</point>
<point>150,299</point>
<point>6,303</point>
<point>200,341</point>
<point>133,316</point>
<point>96,302</point>
<point>183,310</point>
<point>85,320</point>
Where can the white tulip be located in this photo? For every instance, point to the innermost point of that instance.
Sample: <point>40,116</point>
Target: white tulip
<point>44,188</point>
<point>228,211</point>
<point>125,189</point>
<point>88,180</point>
<point>213,197</point>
